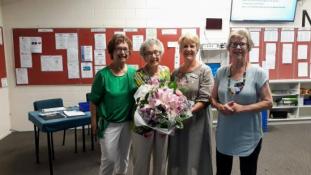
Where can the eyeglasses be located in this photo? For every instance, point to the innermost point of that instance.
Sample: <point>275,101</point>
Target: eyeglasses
<point>236,44</point>
<point>124,49</point>
<point>151,53</point>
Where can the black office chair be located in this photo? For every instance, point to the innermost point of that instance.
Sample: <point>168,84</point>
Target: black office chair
<point>49,103</point>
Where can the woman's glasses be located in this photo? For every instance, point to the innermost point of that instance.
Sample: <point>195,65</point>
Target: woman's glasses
<point>124,49</point>
<point>238,44</point>
<point>151,53</point>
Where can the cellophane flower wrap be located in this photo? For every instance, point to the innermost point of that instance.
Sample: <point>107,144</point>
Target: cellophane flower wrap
<point>161,106</point>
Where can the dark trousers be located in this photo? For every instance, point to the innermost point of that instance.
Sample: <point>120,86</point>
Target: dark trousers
<point>248,165</point>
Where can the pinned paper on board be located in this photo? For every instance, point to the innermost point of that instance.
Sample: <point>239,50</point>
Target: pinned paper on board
<point>137,42</point>
<point>99,57</point>
<point>86,53</point>
<point>287,52</point>
<point>51,63</point>
<point>302,69</point>
<point>100,41</point>
<point>151,33</point>
<point>86,70</point>
<point>4,82</point>
<point>254,55</point>
<point>21,75</point>
<point>302,52</point>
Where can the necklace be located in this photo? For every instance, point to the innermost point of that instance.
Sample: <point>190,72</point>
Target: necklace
<point>237,87</point>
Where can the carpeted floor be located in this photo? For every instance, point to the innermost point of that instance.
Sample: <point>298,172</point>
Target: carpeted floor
<point>286,151</point>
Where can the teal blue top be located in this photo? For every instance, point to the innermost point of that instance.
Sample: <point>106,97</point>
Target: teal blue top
<point>113,97</point>
<point>239,134</point>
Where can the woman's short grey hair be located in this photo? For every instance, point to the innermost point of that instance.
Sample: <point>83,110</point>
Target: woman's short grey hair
<point>241,33</point>
<point>149,43</point>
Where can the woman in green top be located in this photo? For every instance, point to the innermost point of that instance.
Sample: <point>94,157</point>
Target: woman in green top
<point>112,102</point>
<point>146,140</point>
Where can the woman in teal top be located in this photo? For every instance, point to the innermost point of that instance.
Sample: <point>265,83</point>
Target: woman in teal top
<point>112,102</point>
<point>240,92</point>
<point>145,140</point>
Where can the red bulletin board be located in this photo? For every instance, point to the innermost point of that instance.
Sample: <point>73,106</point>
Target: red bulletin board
<point>284,70</point>
<point>2,59</point>
<point>85,38</point>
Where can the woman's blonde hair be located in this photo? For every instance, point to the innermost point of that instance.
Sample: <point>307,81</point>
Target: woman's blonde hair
<point>241,33</point>
<point>189,38</point>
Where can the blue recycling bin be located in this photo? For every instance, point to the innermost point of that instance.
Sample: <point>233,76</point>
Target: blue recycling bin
<point>264,119</point>
<point>84,106</point>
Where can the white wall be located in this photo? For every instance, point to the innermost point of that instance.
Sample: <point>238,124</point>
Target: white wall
<point>100,13</point>
<point>5,123</point>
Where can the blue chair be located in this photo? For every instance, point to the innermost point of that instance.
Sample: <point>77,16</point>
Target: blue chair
<point>49,103</point>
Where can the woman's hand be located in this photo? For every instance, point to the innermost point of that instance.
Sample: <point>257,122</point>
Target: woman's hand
<point>226,108</point>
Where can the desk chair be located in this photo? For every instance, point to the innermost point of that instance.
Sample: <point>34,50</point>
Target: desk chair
<point>49,103</point>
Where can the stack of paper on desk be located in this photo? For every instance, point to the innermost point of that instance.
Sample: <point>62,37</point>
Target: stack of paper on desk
<point>51,115</point>
<point>53,109</point>
<point>73,113</point>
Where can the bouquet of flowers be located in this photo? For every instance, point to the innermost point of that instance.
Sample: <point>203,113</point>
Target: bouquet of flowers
<point>161,106</point>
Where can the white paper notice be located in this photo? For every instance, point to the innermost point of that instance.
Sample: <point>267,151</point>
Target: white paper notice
<point>100,41</point>
<point>287,54</point>
<point>100,57</point>
<point>86,70</point>
<point>271,35</point>
<point>61,40</point>
<point>176,58</point>
<point>119,32</point>
<point>254,55</point>
<point>86,53</point>
<point>302,69</point>
<point>36,45</point>
<point>26,59</point>
<point>302,52</point>
<point>4,82</point>
<point>72,55</point>
<point>21,76</point>
<point>73,63</point>
<point>130,30</point>
<point>73,70</point>
<point>72,40</point>
<point>25,51</point>
<point>137,41</point>
<point>51,63</point>
<point>172,44</point>
<point>270,55</point>
<point>25,44</point>
<point>255,38</point>
<point>98,68</point>
<point>303,35</point>
<point>169,31</point>
<point>151,33</point>
<point>287,36</point>
<point>66,40</point>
